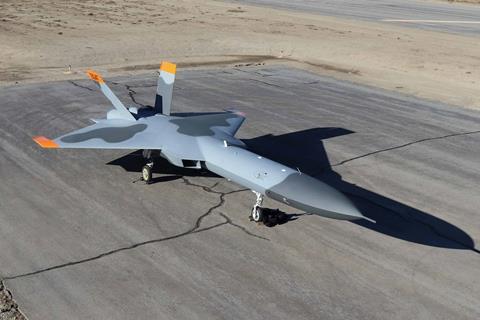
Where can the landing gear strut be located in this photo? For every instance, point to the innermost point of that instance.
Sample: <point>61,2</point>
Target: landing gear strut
<point>147,169</point>
<point>257,211</point>
<point>269,217</point>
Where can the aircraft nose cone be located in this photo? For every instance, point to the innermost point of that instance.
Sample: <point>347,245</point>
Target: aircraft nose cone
<point>313,196</point>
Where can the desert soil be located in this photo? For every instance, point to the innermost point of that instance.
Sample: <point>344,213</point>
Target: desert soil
<point>466,1</point>
<point>40,39</point>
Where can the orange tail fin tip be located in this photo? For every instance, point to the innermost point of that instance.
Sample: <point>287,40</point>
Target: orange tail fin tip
<point>168,67</point>
<point>95,76</point>
<point>45,142</point>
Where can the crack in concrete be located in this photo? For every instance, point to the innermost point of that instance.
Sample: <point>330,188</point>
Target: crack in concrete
<point>80,86</point>
<point>108,253</point>
<point>194,229</point>
<point>223,215</point>
<point>403,146</point>
<point>8,307</point>
<point>230,222</point>
<point>131,94</point>
<point>143,86</point>
<point>432,228</point>
<point>222,194</point>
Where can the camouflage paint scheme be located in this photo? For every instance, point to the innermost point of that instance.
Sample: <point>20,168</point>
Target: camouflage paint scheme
<point>209,141</point>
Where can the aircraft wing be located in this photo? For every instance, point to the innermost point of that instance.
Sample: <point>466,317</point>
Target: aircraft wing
<point>177,138</point>
<point>105,134</point>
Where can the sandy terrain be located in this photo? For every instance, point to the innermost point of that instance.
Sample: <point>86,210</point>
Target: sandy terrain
<point>40,39</point>
<point>466,1</point>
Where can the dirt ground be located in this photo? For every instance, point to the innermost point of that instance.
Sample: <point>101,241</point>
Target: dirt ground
<point>41,39</point>
<point>466,1</point>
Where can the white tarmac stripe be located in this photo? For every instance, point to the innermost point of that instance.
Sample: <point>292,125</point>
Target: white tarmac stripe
<point>432,21</point>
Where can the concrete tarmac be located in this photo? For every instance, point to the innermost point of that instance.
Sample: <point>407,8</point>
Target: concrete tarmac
<point>429,15</point>
<point>81,238</point>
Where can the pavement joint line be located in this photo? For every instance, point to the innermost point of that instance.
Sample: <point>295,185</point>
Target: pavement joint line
<point>267,83</point>
<point>403,146</point>
<point>195,229</point>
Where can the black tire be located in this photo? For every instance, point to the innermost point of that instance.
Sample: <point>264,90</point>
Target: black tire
<point>147,174</point>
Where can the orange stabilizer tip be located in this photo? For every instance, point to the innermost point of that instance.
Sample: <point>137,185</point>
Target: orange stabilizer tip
<point>95,76</point>
<point>45,142</point>
<point>168,67</point>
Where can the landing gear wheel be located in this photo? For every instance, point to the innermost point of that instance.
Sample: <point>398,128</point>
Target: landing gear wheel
<point>257,214</point>
<point>147,173</point>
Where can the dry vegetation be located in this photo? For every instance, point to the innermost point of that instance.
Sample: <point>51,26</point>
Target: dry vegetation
<point>8,307</point>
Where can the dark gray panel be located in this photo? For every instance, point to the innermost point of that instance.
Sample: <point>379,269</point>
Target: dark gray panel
<point>199,126</point>
<point>113,134</point>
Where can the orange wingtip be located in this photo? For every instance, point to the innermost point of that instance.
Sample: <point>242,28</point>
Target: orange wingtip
<point>45,142</point>
<point>95,76</point>
<point>168,67</point>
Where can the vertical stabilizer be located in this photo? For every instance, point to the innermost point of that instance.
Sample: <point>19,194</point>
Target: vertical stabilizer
<point>121,111</point>
<point>166,78</point>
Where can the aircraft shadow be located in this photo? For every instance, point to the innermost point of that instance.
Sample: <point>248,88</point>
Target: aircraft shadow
<point>305,150</point>
<point>134,161</point>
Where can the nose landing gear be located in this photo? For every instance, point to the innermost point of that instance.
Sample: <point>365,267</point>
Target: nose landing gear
<point>266,216</point>
<point>257,211</point>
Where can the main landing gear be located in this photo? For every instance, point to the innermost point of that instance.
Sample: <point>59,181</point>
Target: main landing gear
<point>147,169</point>
<point>147,172</point>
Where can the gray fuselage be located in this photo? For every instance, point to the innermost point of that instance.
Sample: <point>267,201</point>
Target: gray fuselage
<point>208,141</point>
<point>277,181</point>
